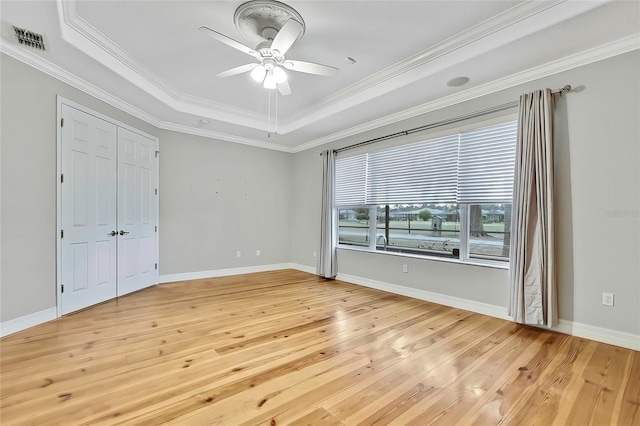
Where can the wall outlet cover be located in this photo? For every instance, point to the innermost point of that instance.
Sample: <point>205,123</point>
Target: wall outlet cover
<point>608,299</point>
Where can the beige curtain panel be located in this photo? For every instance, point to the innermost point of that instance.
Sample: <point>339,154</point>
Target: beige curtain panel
<point>327,260</point>
<point>533,295</point>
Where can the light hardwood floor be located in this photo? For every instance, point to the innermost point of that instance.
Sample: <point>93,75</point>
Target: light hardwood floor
<point>287,347</point>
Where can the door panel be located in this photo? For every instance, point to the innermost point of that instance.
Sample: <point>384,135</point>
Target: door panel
<point>88,210</point>
<point>137,172</point>
<point>80,265</point>
<point>80,187</point>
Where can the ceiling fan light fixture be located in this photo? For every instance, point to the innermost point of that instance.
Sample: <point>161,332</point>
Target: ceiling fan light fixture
<point>279,75</point>
<point>259,73</point>
<point>274,27</point>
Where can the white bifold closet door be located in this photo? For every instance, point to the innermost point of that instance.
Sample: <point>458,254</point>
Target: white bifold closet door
<point>108,211</point>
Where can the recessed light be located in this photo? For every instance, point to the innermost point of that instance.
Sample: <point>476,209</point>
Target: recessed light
<point>203,121</point>
<point>350,60</point>
<point>458,81</point>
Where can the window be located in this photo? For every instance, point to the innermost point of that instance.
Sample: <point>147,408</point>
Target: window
<point>354,226</point>
<point>448,196</point>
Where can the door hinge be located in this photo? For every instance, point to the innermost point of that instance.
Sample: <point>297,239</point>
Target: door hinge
<point>157,152</point>
<point>156,228</point>
<point>62,233</point>
<point>156,266</point>
<point>62,178</point>
<point>62,288</point>
<point>156,191</point>
<point>62,122</point>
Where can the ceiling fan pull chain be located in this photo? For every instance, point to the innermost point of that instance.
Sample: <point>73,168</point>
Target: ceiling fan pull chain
<point>269,114</point>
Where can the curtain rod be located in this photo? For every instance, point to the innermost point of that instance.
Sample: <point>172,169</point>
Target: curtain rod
<point>480,113</point>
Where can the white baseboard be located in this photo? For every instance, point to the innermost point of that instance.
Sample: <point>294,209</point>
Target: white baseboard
<point>222,272</point>
<point>442,299</point>
<point>31,320</point>
<point>599,334</point>
<point>303,268</point>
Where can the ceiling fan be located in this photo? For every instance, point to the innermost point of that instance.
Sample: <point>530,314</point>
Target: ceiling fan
<point>274,27</point>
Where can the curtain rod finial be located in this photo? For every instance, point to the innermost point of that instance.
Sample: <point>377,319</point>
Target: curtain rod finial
<point>563,90</point>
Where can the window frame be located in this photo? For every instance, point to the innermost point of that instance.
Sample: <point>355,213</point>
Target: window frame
<point>464,256</point>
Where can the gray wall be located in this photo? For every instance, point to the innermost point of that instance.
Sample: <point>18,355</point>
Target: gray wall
<point>28,184</point>
<point>211,190</point>
<point>597,171</point>
<point>215,197</point>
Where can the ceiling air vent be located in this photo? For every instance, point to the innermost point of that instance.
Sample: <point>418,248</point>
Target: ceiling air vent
<point>29,38</point>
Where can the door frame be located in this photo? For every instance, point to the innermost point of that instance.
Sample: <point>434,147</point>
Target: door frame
<point>63,101</point>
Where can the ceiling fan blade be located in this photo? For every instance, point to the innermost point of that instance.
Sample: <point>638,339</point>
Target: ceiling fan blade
<point>287,35</point>
<point>229,41</point>
<point>284,88</point>
<point>237,70</point>
<point>310,68</point>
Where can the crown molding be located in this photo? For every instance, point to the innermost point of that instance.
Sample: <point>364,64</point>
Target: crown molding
<point>606,51</point>
<point>80,34</point>
<point>65,76</point>
<point>483,36</point>
<point>372,86</point>
<point>72,80</point>
<point>223,136</point>
<point>495,31</point>
<point>586,57</point>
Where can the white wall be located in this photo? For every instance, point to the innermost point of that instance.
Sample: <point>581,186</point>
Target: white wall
<point>215,197</point>
<point>597,169</point>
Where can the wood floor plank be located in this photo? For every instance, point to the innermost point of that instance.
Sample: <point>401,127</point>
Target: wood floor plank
<point>541,403</point>
<point>628,412</point>
<point>602,378</point>
<point>516,382</point>
<point>385,326</point>
<point>318,417</point>
<point>194,382</point>
<point>286,347</point>
<point>467,377</point>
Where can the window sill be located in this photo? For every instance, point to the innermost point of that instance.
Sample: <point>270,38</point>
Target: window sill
<point>494,264</point>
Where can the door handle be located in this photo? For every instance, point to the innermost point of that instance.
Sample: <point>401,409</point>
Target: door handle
<point>112,233</point>
<point>123,232</point>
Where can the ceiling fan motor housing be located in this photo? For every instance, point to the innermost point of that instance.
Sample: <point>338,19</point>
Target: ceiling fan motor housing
<point>260,20</point>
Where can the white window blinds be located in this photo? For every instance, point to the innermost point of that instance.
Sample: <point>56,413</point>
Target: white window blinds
<point>487,162</point>
<point>471,167</point>
<point>423,172</point>
<point>351,179</point>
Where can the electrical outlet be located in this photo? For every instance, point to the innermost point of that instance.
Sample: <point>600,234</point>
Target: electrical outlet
<point>405,268</point>
<point>238,254</point>
<point>257,252</point>
<point>607,299</point>
<point>315,254</point>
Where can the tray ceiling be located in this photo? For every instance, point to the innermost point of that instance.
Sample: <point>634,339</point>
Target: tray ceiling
<point>148,58</point>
